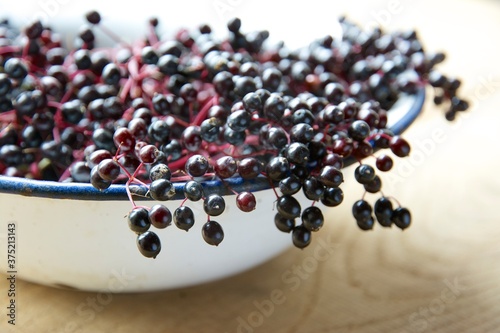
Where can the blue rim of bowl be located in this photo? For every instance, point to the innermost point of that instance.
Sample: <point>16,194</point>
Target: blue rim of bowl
<point>81,191</point>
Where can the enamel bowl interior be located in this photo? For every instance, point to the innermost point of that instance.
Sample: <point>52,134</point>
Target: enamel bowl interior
<point>71,235</point>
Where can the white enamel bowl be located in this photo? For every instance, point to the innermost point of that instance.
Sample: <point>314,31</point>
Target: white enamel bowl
<point>71,235</point>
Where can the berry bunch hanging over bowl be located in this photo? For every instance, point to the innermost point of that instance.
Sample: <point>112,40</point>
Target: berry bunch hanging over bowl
<point>165,116</point>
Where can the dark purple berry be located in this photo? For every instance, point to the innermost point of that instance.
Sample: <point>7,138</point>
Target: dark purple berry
<point>197,165</point>
<point>161,189</point>
<point>332,196</point>
<point>401,217</point>
<point>288,207</point>
<point>160,216</point>
<point>364,174</point>
<point>149,244</point>
<point>383,211</point>
<point>284,224</point>
<point>184,218</point>
<point>301,237</point>
<point>138,220</point>
<point>212,233</point>
<point>246,201</point>
<point>312,218</point>
<point>214,205</point>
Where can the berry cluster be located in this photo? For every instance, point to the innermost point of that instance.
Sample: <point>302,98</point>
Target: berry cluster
<point>192,108</point>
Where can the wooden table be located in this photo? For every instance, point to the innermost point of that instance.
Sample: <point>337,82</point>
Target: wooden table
<point>441,275</point>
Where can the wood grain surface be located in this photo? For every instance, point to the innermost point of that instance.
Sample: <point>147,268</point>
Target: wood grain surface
<point>440,275</point>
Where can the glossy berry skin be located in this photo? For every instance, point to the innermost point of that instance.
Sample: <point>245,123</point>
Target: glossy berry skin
<point>312,218</point>
<point>364,174</point>
<point>313,189</point>
<point>332,196</point>
<point>97,181</point>
<point>288,207</point>
<point>193,190</point>
<point>212,233</point>
<point>184,218</point>
<point>290,185</point>
<point>373,186</point>
<point>214,205</point>
<point>197,165</point>
<point>160,216</point>
<point>80,172</point>
<point>108,169</point>
<point>362,210</point>
<point>384,163</point>
<point>365,224</point>
<point>330,176</point>
<point>284,224</point>
<point>138,220</point>
<point>383,211</point>
<point>148,154</point>
<point>301,237</point>
<point>399,146</point>
<point>239,120</point>
<point>225,167</point>
<point>249,168</point>
<point>161,190</point>
<point>401,217</point>
<point>297,153</point>
<point>149,244</point>
<point>278,168</point>
<point>359,130</point>
<point>246,201</point>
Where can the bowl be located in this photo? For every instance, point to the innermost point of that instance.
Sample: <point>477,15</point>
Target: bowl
<point>72,235</point>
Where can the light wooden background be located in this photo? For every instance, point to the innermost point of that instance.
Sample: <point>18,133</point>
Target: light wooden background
<point>441,275</point>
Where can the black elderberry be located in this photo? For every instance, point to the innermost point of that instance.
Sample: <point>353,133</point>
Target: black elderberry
<point>312,218</point>
<point>332,196</point>
<point>362,210</point>
<point>161,189</point>
<point>149,244</point>
<point>276,137</point>
<point>301,237</point>
<point>160,216</point>
<point>210,129</point>
<point>239,120</point>
<point>330,176</point>
<point>364,174</point>
<point>183,218</point>
<point>284,224</point>
<point>401,217</point>
<point>313,189</point>
<point>290,185</point>
<point>138,220</point>
<point>374,185</point>
<point>288,207</point>
<point>160,171</point>
<point>212,233</point>
<point>383,211</point>
<point>274,107</point>
<point>97,181</point>
<point>359,130</point>
<point>214,205</point>
<point>297,153</point>
<point>278,168</point>
<point>16,68</point>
